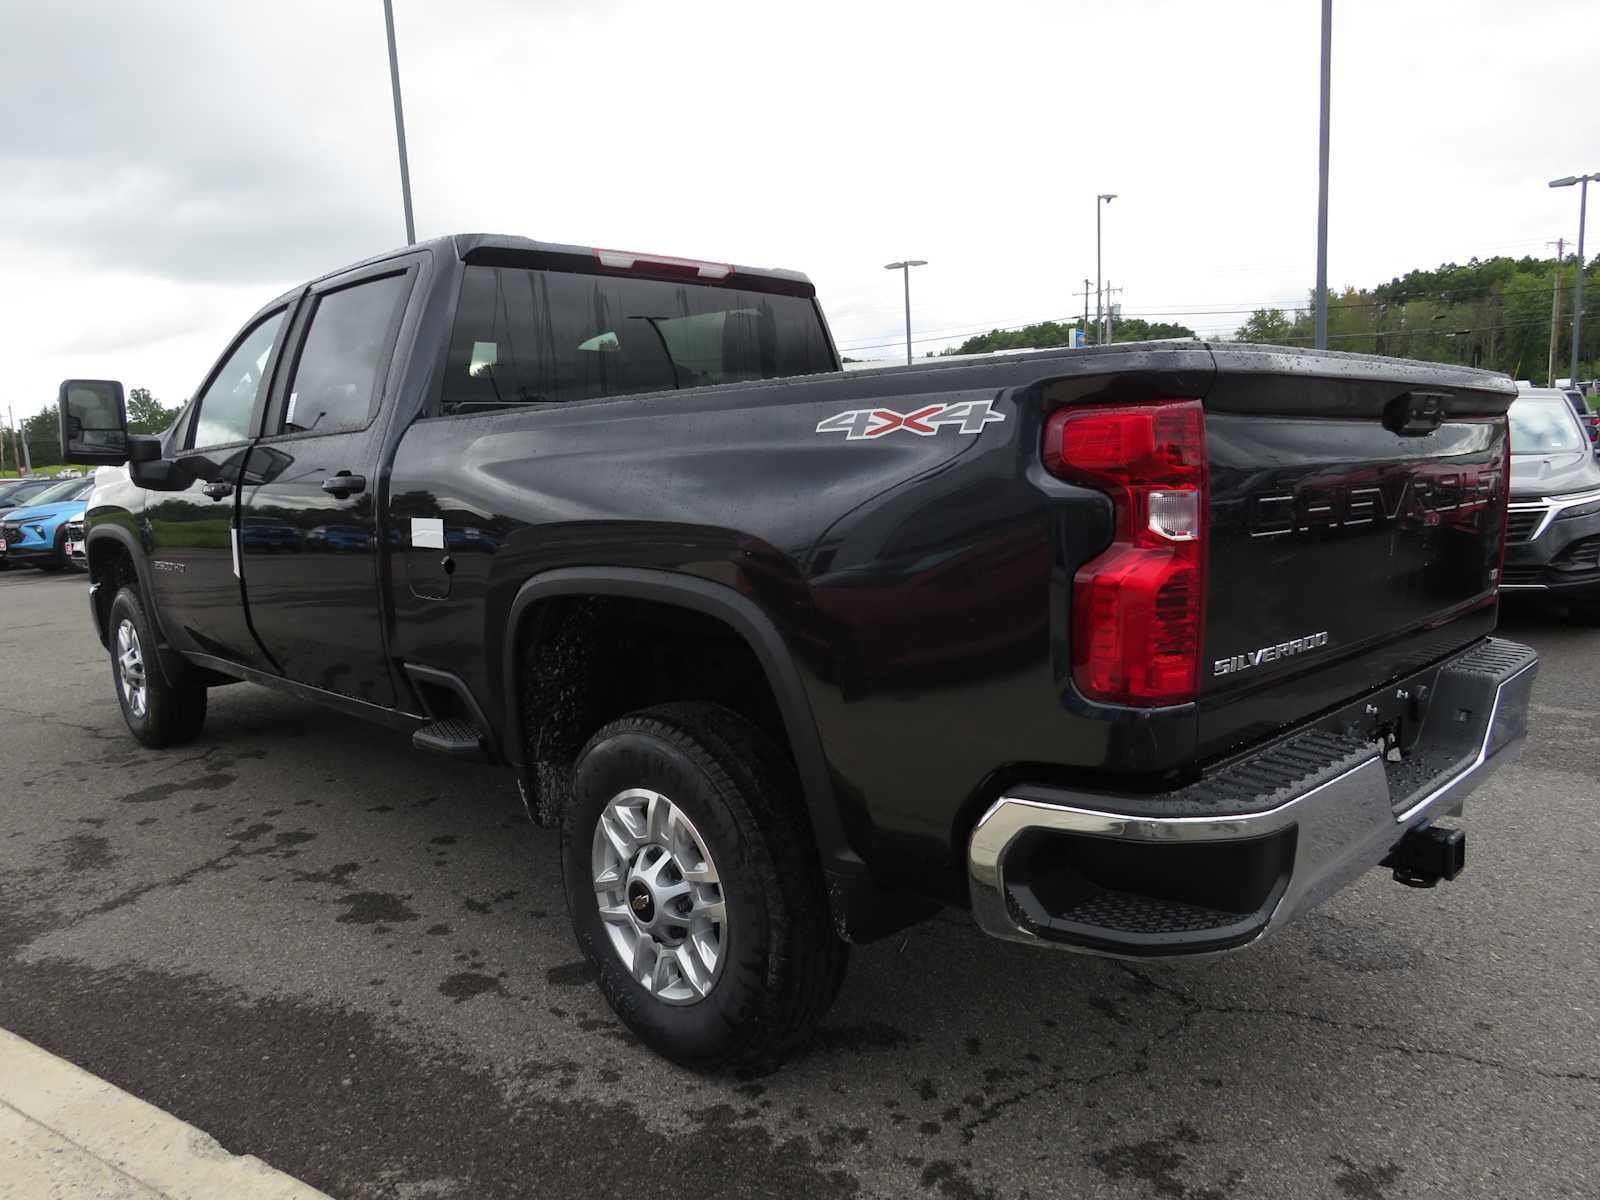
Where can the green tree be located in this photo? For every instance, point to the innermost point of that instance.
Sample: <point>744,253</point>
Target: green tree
<point>1491,313</point>
<point>42,432</point>
<point>1054,333</point>
<point>1266,325</point>
<point>146,414</point>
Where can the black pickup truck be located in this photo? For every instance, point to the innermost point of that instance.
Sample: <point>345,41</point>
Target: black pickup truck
<point>1134,651</point>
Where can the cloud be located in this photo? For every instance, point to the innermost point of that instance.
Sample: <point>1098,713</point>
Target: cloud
<point>165,169</point>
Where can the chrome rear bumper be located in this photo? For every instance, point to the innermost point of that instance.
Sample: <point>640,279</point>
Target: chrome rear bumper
<point>1297,823</point>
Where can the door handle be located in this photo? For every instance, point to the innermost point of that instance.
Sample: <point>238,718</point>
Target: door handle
<point>344,484</point>
<point>221,489</point>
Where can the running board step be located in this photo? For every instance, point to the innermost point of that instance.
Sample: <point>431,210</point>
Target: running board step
<point>451,736</point>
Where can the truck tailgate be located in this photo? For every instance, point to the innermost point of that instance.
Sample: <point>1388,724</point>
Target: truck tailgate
<point>1356,508</point>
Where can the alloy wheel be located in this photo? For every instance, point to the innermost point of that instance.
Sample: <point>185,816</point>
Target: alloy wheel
<point>659,896</point>
<point>131,670</point>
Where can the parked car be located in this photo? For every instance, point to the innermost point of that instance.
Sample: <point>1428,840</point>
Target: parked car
<point>1553,529</point>
<point>269,535</point>
<point>77,559</point>
<point>16,492</point>
<point>1587,418</point>
<point>339,539</point>
<point>35,534</point>
<point>1136,650</point>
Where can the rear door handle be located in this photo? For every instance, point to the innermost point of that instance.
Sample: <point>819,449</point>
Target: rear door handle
<point>220,490</point>
<point>344,484</point>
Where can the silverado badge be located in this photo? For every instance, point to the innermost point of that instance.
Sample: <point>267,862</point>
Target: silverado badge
<point>1254,658</point>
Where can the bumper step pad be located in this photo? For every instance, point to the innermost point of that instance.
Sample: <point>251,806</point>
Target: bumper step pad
<point>1214,865</point>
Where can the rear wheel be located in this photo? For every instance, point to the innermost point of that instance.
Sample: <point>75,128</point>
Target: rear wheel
<point>157,713</point>
<point>694,888</point>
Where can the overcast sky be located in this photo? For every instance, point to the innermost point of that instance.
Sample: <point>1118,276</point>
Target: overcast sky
<point>167,168</point>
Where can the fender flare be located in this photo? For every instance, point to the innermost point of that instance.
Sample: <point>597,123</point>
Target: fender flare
<point>172,665</point>
<point>745,618</point>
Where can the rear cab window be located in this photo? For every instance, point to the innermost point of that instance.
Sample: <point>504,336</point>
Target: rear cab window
<point>342,362</point>
<point>540,336</point>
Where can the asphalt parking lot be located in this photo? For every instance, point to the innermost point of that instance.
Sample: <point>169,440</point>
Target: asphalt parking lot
<point>353,961</point>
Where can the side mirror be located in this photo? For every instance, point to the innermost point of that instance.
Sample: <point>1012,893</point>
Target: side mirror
<point>94,422</point>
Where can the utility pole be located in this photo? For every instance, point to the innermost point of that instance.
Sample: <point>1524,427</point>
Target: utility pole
<point>1110,329</point>
<point>1322,184</point>
<point>1555,308</point>
<point>19,448</point>
<point>1099,306</point>
<point>399,122</point>
<point>1577,290</point>
<point>905,269</point>
<point>1086,310</point>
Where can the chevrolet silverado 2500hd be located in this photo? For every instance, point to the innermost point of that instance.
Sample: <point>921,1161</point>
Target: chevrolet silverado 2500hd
<point>1138,650</point>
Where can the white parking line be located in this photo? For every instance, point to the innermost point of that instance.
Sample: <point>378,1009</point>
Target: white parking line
<point>64,1133</point>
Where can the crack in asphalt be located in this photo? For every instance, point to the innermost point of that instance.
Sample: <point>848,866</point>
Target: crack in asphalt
<point>1198,1008</point>
<point>98,732</point>
<point>1060,1076</point>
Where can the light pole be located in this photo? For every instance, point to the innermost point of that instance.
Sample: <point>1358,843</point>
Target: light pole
<point>1099,307</point>
<point>1322,183</point>
<point>1555,307</point>
<point>1577,289</point>
<point>905,269</point>
<point>399,121</point>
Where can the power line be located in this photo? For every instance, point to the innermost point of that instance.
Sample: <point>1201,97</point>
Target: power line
<point>1407,332</point>
<point>1423,331</point>
<point>1451,296</point>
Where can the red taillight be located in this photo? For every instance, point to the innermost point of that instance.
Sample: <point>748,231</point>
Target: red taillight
<point>1138,608</point>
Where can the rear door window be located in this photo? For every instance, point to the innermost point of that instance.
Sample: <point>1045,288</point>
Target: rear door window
<point>345,357</point>
<point>528,336</point>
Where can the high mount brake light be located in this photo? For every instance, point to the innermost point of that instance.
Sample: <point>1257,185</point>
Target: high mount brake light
<point>661,264</point>
<point>1138,607</point>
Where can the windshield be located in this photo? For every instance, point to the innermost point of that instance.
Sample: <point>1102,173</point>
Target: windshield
<point>18,490</point>
<point>1544,425</point>
<point>67,489</point>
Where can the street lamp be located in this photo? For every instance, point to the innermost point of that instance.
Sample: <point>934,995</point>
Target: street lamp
<point>1577,294</point>
<point>1320,327</point>
<point>399,122</point>
<point>1099,308</point>
<point>905,269</point>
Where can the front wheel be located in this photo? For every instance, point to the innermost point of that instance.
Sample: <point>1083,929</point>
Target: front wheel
<point>694,888</point>
<point>157,713</point>
<point>58,555</point>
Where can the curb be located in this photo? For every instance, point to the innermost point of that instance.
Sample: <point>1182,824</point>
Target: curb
<point>65,1133</point>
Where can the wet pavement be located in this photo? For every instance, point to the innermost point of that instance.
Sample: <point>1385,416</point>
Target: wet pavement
<point>353,962</point>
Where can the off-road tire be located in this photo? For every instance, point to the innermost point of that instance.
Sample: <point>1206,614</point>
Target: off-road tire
<point>782,961</point>
<point>172,715</point>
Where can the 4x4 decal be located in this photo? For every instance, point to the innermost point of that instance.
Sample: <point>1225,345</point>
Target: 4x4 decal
<point>969,416</point>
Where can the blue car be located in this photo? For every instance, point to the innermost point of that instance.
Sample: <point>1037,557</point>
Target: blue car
<point>36,533</point>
